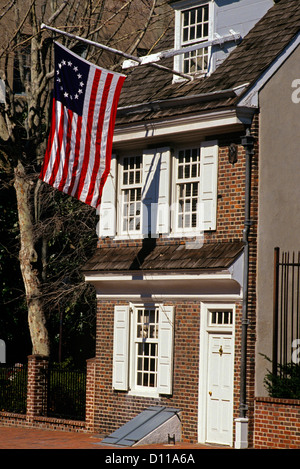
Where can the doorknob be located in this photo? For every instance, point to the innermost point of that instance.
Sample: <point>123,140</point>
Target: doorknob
<point>210,393</point>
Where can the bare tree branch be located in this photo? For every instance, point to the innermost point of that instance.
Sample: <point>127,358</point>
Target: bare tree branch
<point>58,12</point>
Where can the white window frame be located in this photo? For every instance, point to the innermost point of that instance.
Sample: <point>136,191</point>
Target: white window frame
<point>207,190</point>
<point>179,43</point>
<point>159,205</point>
<point>135,387</point>
<point>125,350</point>
<point>121,191</point>
<point>155,203</point>
<point>184,182</point>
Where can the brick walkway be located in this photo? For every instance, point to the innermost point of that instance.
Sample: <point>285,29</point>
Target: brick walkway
<point>27,438</point>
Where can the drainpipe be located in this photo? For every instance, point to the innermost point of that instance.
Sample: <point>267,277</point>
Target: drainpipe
<point>242,423</point>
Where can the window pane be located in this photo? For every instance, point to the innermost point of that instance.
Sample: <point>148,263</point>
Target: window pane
<point>205,29</point>
<point>188,187</point>
<point>185,35</point>
<point>192,16</point>
<point>194,171</point>
<point>205,12</point>
<point>152,381</point>
<point>132,179</point>
<point>131,224</point>
<point>221,318</point>
<point>140,379</point>
<point>194,220</point>
<point>195,27</point>
<point>147,347</point>
<point>192,33</point>
<point>185,18</point>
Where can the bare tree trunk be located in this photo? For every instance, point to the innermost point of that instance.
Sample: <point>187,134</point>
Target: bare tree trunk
<point>28,257</point>
<point>125,24</point>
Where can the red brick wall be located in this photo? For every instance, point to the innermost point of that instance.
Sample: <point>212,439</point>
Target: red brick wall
<point>231,196</point>
<point>90,394</point>
<point>277,424</point>
<point>36,397</point>
<point>36,403</point>
<point>112,409</point>
<point>108,409</point>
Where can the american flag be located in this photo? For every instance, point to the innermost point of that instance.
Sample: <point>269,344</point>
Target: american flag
<point>78,155</point>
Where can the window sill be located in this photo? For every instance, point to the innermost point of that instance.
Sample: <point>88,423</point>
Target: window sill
<point>153,393</point>
<point>187,234</point>
<point>178,234</point>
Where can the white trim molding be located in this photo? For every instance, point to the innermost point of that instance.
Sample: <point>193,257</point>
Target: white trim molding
<point>159,286</point>
<point>180,126</point>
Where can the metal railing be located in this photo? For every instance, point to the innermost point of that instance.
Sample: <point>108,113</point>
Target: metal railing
<point>13,388</point>
<point>66,391</point>
<point>286,314</point>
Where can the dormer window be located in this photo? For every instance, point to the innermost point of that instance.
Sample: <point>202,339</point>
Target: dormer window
<point>195,29</point>
<point>193,26</point>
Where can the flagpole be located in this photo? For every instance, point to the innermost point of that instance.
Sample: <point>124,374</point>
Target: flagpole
<point>115,51</point>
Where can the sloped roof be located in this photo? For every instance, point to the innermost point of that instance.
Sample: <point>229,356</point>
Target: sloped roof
<point>175,257</point>
<point>255,53</point>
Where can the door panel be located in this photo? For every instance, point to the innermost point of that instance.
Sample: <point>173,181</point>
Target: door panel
<point>220,389</point>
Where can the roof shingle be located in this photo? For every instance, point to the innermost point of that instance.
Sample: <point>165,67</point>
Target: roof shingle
<point>255,53</point>
<point>175,257</point>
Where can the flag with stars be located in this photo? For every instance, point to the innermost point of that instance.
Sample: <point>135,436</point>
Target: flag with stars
<point>84,107</point>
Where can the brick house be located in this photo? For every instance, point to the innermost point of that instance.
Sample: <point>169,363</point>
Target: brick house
<point>180,320</point>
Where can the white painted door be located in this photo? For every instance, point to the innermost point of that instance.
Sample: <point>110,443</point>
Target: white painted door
<point>220,389</point>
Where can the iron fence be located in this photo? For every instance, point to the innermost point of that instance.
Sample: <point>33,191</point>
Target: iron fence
<point>286,314</point>
<point>13,388</point>
<point>66,391</point>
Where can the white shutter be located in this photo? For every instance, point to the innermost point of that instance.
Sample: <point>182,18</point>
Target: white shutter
<point>107,222</point>
<point>208,185</point>
<point>149,192</point>
<point>162,215</point>
<point>165,349</point>
<point>121,348</point>
<point>156,191</point>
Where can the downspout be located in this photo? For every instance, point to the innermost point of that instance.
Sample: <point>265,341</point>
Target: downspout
<point>242,423</point>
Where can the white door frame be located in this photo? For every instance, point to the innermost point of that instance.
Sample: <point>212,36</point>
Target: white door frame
<point>205,330</point>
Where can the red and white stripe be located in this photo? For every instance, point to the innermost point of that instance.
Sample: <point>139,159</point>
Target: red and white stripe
<point>77,159</point>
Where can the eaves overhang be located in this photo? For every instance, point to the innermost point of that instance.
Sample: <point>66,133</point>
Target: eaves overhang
<point>177,117</point>
<point>181,126</point>
<point>157,286</point>
<point>214,271</point>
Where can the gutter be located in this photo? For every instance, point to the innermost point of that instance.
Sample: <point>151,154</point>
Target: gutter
<point>242,423</point>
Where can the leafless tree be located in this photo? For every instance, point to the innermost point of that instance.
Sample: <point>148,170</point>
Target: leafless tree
<point>26,70</point>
